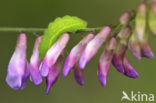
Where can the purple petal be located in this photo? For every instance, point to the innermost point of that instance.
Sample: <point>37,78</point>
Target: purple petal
<point>124,18</point>
<point>35,63</point>
<point>75,53</point>
<point>134,46</point>
<point>117,62</point>
<point>17,68</point>
<point>93,46</point>
<point>146,50</point>
<point>129,70</point>
<point>53,74</point>
<point>105,61</point>
<point>53,54</point>
<point>78,74</point>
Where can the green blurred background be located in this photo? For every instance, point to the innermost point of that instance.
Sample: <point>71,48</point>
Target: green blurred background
<point>38,13</point>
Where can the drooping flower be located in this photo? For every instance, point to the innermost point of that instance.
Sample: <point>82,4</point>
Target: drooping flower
<point>53,54</point>
<point>53,74</point>
<point>75,54</point>
<point>140,29</point>
<point>105,61</point>
<point>78,74</point>
<point>35,63</point>
<point>93,46</point>
<point>128,68</point>
<point>134,46</point>
<point>122,40</point>
<point>18,72</point>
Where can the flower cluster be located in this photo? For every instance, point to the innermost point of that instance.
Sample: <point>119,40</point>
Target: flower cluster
<point>133,35</point>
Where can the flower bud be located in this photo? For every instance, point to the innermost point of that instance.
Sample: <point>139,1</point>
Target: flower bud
<point>152,18</point>
<point>18,73</point>
<point>53,74</point>
<point>93,46</point>
<point>75,54</point>
<point>105,61</point>
<point>35,63</point>
<point>124,18</point>
<point>53,54</point>
<point>78,74</point>
<point>134,46</point>
<point>140,21</point>
<point>128,68</point>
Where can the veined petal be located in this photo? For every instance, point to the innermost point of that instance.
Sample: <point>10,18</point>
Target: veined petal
<point>17,68</point>
<point>129,70</point>
<point>53,74</point>
<point>35,63</point>
<point>53,54</point>
<point>105,61</point>
<point>93,46</point>
<point>75,53</point>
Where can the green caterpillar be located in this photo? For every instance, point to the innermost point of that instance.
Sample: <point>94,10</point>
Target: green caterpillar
<point>56,29</point>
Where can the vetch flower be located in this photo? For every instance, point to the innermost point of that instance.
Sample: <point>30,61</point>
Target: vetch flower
<point>134,46</point>
<point>35,63</point>
<point>52,54</point>
<point>122,40</point>
<point>18,72</point>
<point>75,54</point>
<point>128,68</point>
<point>105,61</point>
<point>93,46</point>
<point>146,50</point>
<point>124,18</point>
<point>53,74</point>
<point>78,74</point>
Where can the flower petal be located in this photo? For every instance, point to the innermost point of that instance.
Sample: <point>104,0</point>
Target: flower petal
<point>35,63</point>
<point>53,74</point>
<point>17,68</point>
<point>105,61</point>
<point>53,54</point>
<point>93,46</point>
<point>75,53</point>
<point>129,70</point>
<point>78,74</point>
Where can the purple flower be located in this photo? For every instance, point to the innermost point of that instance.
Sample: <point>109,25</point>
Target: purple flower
<point>122,38</point>
<point>105,61</point>
<point>128,68</point>
<point>35,63</point>
<point>124,18</point>
<point>93,46</point>
<point>146,51</point>
<point>18,72</point>
<point>53,74</point>
<point>53,54</point>
<point>75,54</point>
<point>134,46</point>
<point>78,74</point>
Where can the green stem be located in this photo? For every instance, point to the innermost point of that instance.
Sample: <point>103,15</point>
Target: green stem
<point>41,30</point>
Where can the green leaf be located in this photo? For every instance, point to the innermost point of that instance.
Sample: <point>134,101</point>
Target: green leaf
<point>56,29</point>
